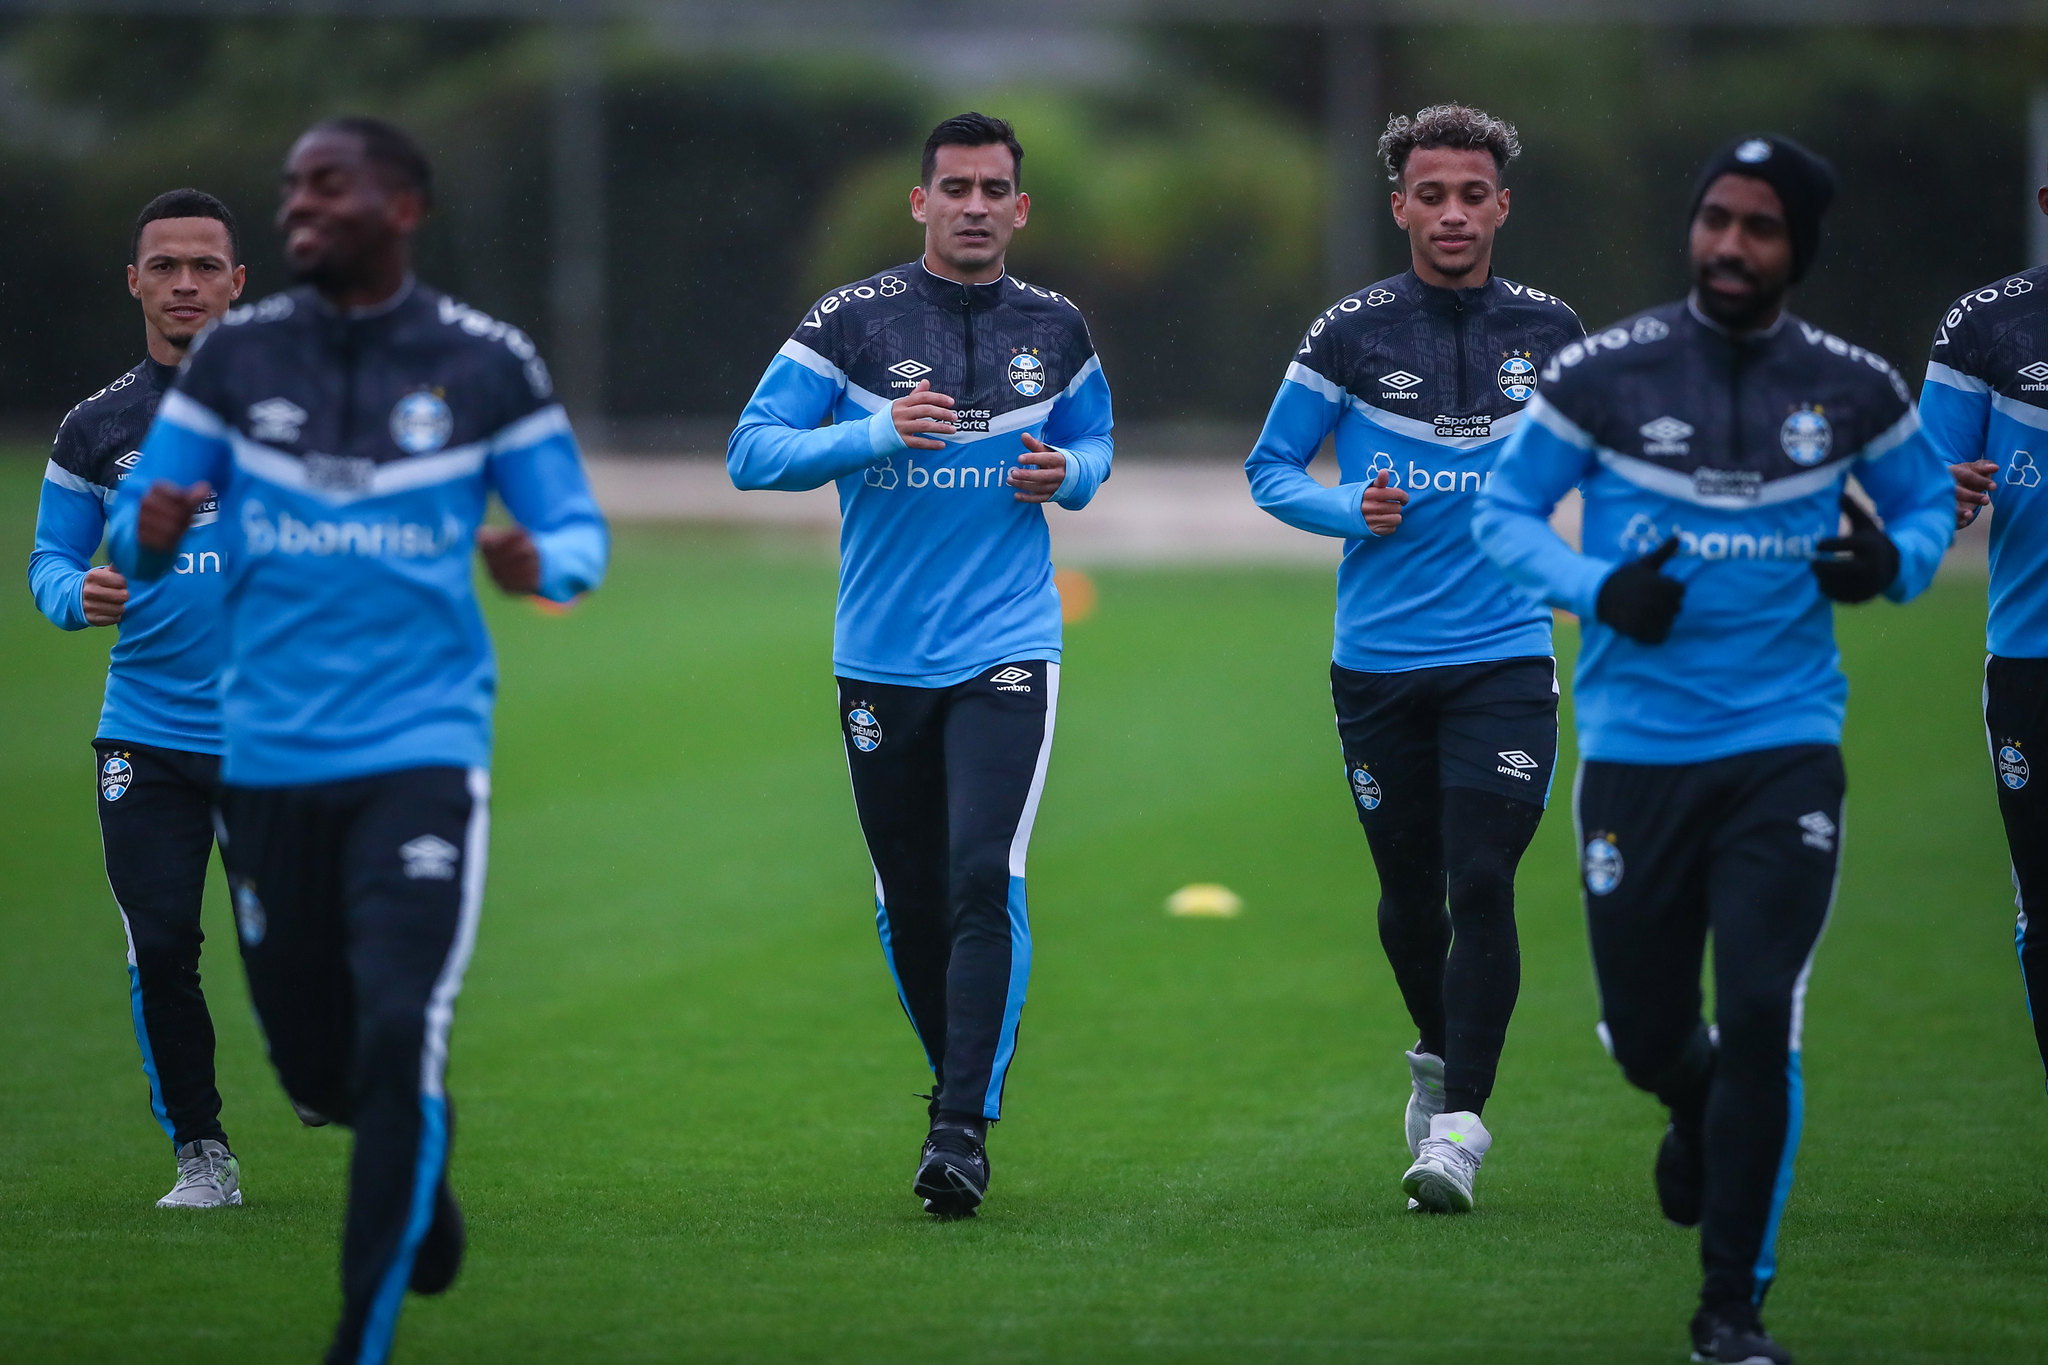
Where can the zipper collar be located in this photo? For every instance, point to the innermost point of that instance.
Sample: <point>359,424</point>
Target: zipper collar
<point>398,300</point>
<point>954,294</point>
<point>1692,306</point>
<point>1440,299</point>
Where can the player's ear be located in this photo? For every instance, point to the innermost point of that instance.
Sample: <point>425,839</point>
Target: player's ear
<point>1503,198</point>
<point>1023,207</point>
<point>1399,202</point>
<point>917,203</point>
<point>408,210</point>
<point>134,284</point>
<point>240,278</point>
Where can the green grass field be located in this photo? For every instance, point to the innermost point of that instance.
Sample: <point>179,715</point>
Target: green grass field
<point>685,1085</point>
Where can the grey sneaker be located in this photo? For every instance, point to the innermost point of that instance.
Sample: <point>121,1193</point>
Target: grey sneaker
<point>1441,1179</point>
<point>1426,1075</point>
<point>209,1176</point>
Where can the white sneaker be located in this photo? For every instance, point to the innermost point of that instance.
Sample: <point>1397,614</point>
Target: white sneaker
<point>209,1176</point>
<point>1441,1178</point>
<point>1426,1074</point>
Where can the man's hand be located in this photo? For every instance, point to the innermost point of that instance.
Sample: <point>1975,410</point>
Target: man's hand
<point>166,513</point>
<point>104,596</point>
<point>920,413</point>
<point>1869,560</point>
<point>1974,481</point>
<point>1039,473</point>
<point>1382,506</point>
<point>512,558</point>
<point>1639,601</point>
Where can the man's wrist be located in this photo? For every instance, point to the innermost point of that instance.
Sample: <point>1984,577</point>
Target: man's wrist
<point>1071,467</point>
<point>883,438</point>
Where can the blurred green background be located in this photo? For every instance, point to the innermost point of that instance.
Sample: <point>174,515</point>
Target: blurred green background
<point>1191,180</point>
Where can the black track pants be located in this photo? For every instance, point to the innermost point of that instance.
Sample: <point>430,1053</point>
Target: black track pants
<point>1745,847</point>
<point>2016,721</point>
<point>357,905</point>
<point>156,830</point>
<point>1449,770</point>
<point>947,781</point>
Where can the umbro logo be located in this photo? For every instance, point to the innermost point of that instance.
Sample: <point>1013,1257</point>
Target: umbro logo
<point>2038,371</point>
<point>1011,679</point>
<point>1516,764</point>
<point>429,858</point>
<point>1819,831</point>
<point>276,419</point>
<point>1401,380</point>
<point>1666,436</point>
<point>910,369</point>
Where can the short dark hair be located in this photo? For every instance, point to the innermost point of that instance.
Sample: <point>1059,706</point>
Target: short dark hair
<point>1458,126</point>
<point>972,130</point>
<point>186,204</point>
<point>390,148</point>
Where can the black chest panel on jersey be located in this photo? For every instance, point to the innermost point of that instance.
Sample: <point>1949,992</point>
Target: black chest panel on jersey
<point>1999,335</point>
<point>345,394</point>
<point>1454,358</point>
<point>993,348</point>
<point>101,439</point>
<point>1734,415</point>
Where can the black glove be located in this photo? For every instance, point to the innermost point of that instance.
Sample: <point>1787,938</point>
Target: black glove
<point>1640,602</point>
<point>1871,560</point>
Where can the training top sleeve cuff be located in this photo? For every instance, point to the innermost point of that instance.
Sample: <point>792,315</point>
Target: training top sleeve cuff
<point>883,438</point>
<point>1072,475</point>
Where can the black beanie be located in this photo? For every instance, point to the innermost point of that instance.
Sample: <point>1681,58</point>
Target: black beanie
<point>1805,183</point>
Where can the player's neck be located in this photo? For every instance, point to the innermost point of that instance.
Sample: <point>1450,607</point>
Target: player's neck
<point>1474,278</point>
<point>380,283</point>
<point>987,274</point>
<point>1760,326</point>
<point>160,348</point>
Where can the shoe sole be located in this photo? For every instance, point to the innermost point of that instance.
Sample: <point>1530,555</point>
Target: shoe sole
<point>234,1199</point>
<point>952,1199</point>
<point>1435,1193</point>
<point>1410,1129</point>
<point>1746,1360</point>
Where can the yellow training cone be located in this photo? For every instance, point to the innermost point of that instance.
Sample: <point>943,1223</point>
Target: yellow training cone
<point>1204,900</point>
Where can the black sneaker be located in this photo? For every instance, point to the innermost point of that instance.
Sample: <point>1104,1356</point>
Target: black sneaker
<point>440,1255</point>
<point>952,1172</point>
<point>1734,1335</point>
<point>1682,1175</point>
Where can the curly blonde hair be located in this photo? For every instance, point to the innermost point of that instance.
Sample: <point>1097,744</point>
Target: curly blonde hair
<point>1448,125</point>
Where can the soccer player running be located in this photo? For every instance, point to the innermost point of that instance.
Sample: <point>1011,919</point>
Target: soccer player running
<point>961,400</point>
<point>1445,688</point>
<point>353,429</point>
<point>1986,395</point>
<point>157,750</point>
<point>1712,439</point>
